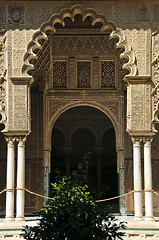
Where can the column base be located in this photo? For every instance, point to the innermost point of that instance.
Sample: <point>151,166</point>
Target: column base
<point>9,219</point>
<point>20,219</point>
<point>149,219</point>
<point>138,219</point>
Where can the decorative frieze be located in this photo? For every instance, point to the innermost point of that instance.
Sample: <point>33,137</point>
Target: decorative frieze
<point>64,45</point>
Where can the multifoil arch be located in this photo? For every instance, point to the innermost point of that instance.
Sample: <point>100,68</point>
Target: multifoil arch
<point>116,32</point>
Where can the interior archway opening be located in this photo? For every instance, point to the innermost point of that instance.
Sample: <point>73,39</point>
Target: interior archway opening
<point>78,131</point>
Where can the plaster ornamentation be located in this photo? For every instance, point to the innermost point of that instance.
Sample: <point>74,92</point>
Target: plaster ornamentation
<point>155,76</point>
<point>20,106</point>
<point>54,107</point>
<point>3,14</point>
<point>96,18</point>
<point>2,79</point>
<point>71,72</point>
<point>143,13</point>
<point>137,121</point>
<point>2,98</point>
<point>139,109</point>
<point>95,72</point>
<point>16,14</point>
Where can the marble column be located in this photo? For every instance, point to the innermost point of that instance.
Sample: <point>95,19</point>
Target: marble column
<point>121,171</point>
<point>99,167</point>
<point>46,172</point>
<point>20,179</point>
<point>148,180</point>
<point>67,151</point>
<point>137,179</point>
<point>10,179</point>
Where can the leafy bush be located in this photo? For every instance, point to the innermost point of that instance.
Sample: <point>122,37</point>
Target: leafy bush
<point>74,214</point>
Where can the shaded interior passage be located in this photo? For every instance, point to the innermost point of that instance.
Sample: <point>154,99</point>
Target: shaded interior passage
<point>81,130</point>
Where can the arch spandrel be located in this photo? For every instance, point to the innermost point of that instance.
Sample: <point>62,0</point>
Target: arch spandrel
<point>117,33</point>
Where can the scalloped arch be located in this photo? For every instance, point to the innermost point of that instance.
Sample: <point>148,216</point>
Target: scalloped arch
<point>84,12</point>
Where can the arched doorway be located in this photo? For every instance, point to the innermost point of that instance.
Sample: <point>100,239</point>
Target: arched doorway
<point>78,131</point>
<point>79,65</point>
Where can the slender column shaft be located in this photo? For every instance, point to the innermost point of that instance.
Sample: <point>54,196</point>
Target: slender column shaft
<point>148,180</point>
<point>67,150</point>
<point>10,179</point>
<point>137,179</point>
<point>121,170</point>
<point>67,165</point>
<point>20,180</point>
<point>99,172</point>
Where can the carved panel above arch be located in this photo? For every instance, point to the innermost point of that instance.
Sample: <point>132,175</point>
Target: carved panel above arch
<point>111,106</point>
<point>103,24</point>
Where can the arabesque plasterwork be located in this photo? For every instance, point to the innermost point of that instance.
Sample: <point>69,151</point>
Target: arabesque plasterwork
<point>155,76</point>
<point>3,72</point>
<point>60,18</point>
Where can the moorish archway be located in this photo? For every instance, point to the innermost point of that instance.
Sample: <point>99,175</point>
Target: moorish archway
<point>77,59</point>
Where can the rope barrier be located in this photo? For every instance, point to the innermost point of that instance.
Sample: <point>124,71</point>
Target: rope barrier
<point>103,200</point>
<point>39,195</point>
<point>108,199</point>
<point>3,191</point>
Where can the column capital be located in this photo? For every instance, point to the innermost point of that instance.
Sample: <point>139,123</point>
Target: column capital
<point>47,154</point>
<point>98,150</point>
<point>10,141</point>
<point>147,140</point>
<point>136,140</point>
<point>21,140</point>
<point>67,149</point>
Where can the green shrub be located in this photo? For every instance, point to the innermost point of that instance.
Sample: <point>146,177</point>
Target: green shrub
<point>74,214</point>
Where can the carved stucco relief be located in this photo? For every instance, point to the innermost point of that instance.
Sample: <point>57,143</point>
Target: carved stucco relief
<point>20,107</point>
<point>60,18</point>
<point>155,76</point>
<point>112,107</point>
<point>139,107</point>
<point>2,79</point>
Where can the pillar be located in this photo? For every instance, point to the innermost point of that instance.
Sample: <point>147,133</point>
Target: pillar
<point>67,151</point>
<point>121,172</point>
<point>137,179</point>
<point>148,180</point>
<point>99,167</point>
<point>10,179</point>
<point>20,179</point>
<point>47,169</point>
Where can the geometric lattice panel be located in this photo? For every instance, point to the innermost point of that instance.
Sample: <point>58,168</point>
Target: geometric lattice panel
<point>59,74</point>
<point>83,74</point>
<point>107,74</point>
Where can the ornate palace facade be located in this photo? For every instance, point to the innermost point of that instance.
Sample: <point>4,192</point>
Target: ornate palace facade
<point>75,78</point>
